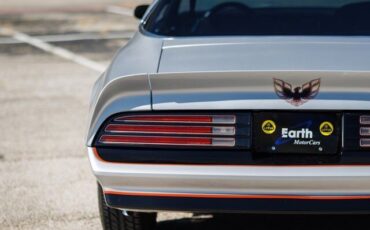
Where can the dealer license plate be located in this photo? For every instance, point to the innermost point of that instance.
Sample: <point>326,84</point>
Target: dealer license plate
<point>296,133</point>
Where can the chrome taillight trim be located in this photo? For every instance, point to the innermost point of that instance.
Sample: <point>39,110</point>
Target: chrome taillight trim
<point>365,120</point>
<point>365,142</point>
<point>224,119</point>
<point>364,131</point>
<point>223,131</point>
<point>216,119</point>
<point>223,142</point>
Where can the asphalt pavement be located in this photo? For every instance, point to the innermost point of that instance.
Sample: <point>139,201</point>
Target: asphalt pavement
<point>45,176</point>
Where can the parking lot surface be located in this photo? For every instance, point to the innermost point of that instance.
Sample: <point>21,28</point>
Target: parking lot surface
<point>45,177</point>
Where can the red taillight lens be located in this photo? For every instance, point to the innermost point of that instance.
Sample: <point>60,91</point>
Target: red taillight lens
<point>158,140</point>
<point>195,119</point>
<point>167,129</point>
<point>171,130</point>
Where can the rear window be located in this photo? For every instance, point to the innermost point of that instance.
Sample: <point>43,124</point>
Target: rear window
<point>259,17</point>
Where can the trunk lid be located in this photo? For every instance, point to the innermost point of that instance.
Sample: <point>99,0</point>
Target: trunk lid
<point>256,90</point>
<point>239,73</point>
<point>266,54</point>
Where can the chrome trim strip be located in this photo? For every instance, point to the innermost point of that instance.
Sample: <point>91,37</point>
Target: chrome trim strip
<point>224,119</point>
<point>365,142</point>
<point>365,120</point>
<point>223,142</point>
<point>343,131</point>
<point>364,131</point>
<point>223,131</point>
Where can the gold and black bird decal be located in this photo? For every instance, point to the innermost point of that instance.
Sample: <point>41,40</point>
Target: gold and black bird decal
<point>297,96</point>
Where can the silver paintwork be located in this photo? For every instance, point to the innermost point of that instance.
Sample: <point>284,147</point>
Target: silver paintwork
<point>241,180</point>
<point>266,54</point>
<point>340,90</point>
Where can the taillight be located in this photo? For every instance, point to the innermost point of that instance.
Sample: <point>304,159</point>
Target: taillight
<point>365,131</point>
<point>176,130</point>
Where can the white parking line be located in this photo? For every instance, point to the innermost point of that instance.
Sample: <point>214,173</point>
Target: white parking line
<point>72,37</point>
<point>120,10</point>
<point>63,53</point>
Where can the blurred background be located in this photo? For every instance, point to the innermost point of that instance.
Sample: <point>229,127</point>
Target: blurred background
<point>51,52</point>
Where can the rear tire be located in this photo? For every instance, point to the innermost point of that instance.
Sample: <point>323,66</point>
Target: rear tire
<point>113,219</point>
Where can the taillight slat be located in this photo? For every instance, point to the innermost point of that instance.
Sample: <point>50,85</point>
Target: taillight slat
<point>195,119</point>
<point>165,129</point>
<point>160,140</point>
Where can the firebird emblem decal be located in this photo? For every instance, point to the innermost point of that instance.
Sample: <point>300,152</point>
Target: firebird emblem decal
<point>299,95</point>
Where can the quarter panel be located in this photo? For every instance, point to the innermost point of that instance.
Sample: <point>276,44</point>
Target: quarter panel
<point>127,93</point>
<point>140,56</point>
<point>125,85</point>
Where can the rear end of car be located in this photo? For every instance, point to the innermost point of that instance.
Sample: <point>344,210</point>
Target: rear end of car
<point>257,154</point>
<point>270,118</point>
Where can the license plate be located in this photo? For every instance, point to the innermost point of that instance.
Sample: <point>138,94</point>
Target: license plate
<point>296,133</point>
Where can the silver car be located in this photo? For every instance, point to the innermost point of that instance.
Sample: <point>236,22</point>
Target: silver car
<point>243,106</point>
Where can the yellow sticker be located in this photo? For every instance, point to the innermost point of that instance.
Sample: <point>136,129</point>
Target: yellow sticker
<point>268,127</point>
<point>326,128</point>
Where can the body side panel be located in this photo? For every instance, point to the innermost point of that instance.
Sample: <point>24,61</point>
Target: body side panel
<point>128,93</point>
<point>125,85</point>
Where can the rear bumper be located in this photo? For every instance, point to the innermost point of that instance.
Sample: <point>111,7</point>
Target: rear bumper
<point>253,189</point>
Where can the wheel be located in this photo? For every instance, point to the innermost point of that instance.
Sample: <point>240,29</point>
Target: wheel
<point>113,219</point>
